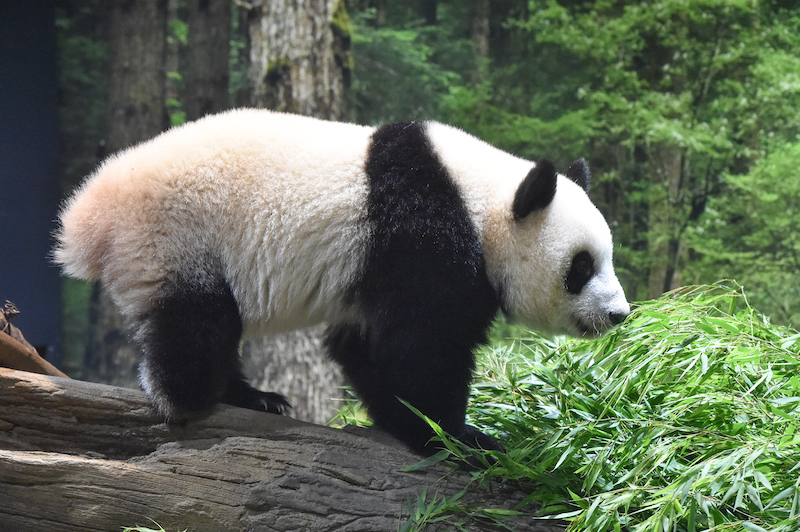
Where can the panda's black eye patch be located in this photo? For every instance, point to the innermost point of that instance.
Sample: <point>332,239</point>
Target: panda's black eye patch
<point>581,270</point>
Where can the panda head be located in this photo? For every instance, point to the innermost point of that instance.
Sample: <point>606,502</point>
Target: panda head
<point>558,275</point>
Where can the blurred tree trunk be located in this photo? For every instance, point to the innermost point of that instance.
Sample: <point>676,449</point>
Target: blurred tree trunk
<point>380,13</point>
<point>428,11</point>
<point>207,57</point>
<point>666,218</point>
<point>136,81</point>
<point>296,365</point>
<point>299,63</point>
<point>172,52</point>
<point>299,56</point>
<point>136,71</point>
<point>480,37</point>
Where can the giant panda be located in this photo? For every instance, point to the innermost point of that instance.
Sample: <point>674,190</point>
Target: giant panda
<point>406,239</point>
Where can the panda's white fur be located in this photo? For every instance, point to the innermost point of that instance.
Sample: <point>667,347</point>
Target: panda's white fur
<point>278,206</point>
<point>279,197</point>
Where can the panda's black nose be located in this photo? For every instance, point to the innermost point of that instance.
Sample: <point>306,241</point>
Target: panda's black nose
<point>617,317</point>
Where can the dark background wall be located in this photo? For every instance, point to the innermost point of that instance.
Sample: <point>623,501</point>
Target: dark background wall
<point>29,191</point>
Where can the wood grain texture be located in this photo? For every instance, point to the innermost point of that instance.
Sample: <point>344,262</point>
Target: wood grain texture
<point>78,456</point>
<point>17,353</point>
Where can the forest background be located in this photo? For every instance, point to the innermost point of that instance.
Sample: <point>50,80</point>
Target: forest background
<point>687,111</point>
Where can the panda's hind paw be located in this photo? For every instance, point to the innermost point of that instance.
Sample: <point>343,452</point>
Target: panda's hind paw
<point>241,394</point>
<point>477,439</point>
<point>274,403</point>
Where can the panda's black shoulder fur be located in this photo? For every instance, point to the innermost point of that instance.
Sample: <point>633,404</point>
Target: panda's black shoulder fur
<point>424,291</point>
<point>415,210</point>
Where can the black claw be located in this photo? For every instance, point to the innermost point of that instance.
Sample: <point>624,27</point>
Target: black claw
<point>274,403</point>
<point>240,393</point>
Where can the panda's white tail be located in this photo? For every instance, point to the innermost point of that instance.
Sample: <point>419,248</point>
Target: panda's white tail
<point>83,236</point>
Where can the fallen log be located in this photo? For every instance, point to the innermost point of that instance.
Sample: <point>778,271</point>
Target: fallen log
<point>79,456</point>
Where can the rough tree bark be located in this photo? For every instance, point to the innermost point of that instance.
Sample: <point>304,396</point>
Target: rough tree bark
<point>298,56</point>
<point>78,456</point>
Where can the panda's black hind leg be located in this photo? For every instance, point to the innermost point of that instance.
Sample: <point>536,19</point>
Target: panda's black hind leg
<point>190,342</point>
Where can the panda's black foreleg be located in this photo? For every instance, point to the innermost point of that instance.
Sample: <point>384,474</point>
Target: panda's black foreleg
<point>434,381</point>
<point>190,342</point>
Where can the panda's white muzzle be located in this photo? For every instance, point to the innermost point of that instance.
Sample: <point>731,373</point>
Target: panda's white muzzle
<point>600,306</point>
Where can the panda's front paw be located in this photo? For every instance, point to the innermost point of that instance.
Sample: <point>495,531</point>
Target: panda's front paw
<point>477,439</point>
<point>274,403</point>
<point>241,394</point>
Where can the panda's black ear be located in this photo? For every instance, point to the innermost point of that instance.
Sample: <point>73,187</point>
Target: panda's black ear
<point>537,189</point>
<point>578,171</point>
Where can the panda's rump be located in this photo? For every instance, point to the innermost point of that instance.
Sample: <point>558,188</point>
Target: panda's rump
<point>275,200</point>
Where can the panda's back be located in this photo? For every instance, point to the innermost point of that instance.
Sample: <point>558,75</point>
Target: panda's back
<point>274,200</point>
